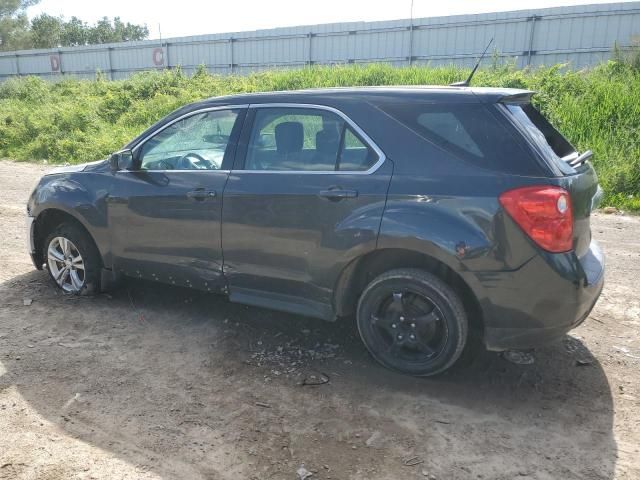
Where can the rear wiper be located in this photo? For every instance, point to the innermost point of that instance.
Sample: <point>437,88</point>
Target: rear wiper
<point>580,159</point>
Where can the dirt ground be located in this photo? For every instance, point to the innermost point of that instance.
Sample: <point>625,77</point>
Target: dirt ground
<point>159,382</point>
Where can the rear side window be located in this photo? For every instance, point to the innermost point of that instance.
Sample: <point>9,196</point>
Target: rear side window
<point>449,130</point>
<point>469,131</point>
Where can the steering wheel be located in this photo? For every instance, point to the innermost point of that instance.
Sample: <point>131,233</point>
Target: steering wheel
<point>193,161</point>
<point>164,165</point>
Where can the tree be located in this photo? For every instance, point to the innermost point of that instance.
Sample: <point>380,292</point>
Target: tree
<point>46,31</point>
<point>50,32</point>
<point>74,33</point>
<point>127,32</point>
<point>14,24</point>
<point>107,32</point>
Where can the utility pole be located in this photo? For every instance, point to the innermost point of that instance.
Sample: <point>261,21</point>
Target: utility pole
<point>411,34</point>
<point>160,37</point>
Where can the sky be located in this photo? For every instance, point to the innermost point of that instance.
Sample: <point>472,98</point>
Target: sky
<point>197,17</point>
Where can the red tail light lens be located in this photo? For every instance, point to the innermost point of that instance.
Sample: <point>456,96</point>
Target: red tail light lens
<point>544,213</point>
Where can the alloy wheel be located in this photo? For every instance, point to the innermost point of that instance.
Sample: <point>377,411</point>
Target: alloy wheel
<point>66,264</point>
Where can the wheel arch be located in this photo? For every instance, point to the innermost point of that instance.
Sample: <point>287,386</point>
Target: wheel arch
<point>46,221</point>
<point>362,270</point>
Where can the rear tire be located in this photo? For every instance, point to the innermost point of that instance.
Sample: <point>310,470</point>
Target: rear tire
<point>412,321</point>
<point>72,260</point>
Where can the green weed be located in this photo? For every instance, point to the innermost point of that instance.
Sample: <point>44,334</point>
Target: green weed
<point>80,120</point>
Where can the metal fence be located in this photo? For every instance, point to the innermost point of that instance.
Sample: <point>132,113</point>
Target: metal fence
<point>582,35</point>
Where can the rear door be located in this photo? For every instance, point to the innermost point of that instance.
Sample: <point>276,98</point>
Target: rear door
<point>168,206</point>
<point>305,197</point>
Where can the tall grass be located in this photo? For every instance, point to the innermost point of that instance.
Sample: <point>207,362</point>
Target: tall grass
<point>79,120</point>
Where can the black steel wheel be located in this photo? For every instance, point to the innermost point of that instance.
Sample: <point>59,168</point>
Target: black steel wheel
<point>412,321</point>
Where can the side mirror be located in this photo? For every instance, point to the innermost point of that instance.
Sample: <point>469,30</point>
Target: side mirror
<point>122,160</point>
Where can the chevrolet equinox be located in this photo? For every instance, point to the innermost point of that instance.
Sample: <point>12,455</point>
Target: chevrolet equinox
<point>426,213</point>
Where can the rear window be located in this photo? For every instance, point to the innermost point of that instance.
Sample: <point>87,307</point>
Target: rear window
<point>469,131</point>
<point>547,139</point>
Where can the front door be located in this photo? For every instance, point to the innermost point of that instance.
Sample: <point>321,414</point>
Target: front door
<point>171,201</point>
<point>306,200</point>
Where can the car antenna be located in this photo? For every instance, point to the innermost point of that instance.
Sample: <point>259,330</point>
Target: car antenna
<point>467,82</point>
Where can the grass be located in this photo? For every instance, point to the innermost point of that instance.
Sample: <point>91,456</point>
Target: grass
<point>80,120</point>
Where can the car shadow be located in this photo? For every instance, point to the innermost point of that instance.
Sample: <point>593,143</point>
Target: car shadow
<point>187,385</point>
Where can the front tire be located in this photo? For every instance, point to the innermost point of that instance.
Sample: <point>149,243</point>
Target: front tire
<point>412,321</point>
<point>72,260</point>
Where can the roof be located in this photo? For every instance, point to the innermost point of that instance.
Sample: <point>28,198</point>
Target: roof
<point>340,97</point>
<point>405,93</point>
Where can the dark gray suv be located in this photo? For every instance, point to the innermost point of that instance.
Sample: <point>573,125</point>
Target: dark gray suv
<point>427,213</point>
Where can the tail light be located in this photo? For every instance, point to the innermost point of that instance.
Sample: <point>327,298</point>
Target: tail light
<point>544,213</point>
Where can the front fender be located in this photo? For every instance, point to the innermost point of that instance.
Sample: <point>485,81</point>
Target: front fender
<point>78,195</point>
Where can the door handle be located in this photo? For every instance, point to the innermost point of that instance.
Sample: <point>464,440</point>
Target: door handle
<point>338,193</point>
<point>201,194</point>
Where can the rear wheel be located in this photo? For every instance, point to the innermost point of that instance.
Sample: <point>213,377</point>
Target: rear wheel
<point>72,260</point>
<point>412,321</point>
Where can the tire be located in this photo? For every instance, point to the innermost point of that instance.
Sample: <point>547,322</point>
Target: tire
<point>85,281</point>
<point>412,322</point>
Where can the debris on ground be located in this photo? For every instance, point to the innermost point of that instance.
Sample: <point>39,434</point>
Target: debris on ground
<point>303,473</point>
<point>290,359</point>
<point>263,405</point>
<point>610,210</point>
<point>583,363</point>
<point>626,352</point>
<point>519,357</point>
<point>315,379</point>
<point>27,301</point>
<point>412,461</point>
<point>375,436</point>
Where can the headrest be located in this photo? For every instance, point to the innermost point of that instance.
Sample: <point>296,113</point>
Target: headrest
<point>289,137</point>
<point>328,141</point>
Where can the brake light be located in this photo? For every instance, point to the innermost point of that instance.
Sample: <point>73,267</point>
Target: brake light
<point>544,213</point>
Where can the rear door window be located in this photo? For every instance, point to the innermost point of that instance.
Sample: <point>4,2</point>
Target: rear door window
<point>469,131</point>
<point>305,140</point>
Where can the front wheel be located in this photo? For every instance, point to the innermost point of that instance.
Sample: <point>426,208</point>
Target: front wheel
<point>73,261</point>
<point>412,321</point>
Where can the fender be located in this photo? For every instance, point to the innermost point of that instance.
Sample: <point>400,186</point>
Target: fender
<point>465,239</point>
<point>83,197</point>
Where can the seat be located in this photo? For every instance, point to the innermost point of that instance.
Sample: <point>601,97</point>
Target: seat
<point>327,145</point>
<point>289,142</point>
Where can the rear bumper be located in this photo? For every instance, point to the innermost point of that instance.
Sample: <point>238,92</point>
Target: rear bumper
<point>544,299</point>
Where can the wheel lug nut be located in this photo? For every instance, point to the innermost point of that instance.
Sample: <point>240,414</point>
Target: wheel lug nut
<point>399,337</point>
<point>413,325</point>
<point>393,325</point>
<point>412,336</point>
<point>402,319</point>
